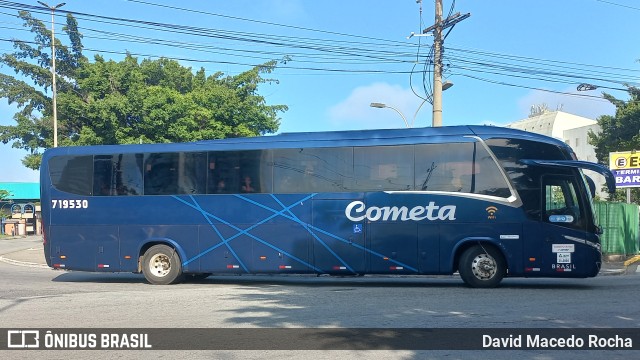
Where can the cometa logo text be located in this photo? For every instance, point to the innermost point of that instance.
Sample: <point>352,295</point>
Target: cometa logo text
<point>357,211</point>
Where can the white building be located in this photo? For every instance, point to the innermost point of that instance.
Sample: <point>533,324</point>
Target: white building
<point>572,129</point>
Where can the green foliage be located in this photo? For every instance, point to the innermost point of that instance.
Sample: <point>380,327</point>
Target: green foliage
<point>619,133</point>
<point>4,194</point>
<point>123,102</point>
<point>621,196</point>
<point>5,209</point>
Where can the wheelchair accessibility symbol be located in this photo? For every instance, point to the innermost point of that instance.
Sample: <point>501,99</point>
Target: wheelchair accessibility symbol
<point>357,228</point>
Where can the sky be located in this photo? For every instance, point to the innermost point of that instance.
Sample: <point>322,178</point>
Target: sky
<point>337,57</point>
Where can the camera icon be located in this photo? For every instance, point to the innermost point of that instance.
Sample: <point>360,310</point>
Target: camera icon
<point>23,339</point>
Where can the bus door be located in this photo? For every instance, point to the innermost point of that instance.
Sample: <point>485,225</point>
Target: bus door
<point>555,244</point>
<point>338,244</point>
<point>565,240</point>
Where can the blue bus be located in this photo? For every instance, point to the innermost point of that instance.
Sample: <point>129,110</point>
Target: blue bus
<point>487,202</point>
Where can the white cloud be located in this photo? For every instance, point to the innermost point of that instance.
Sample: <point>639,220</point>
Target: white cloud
<point>587,107</point>
<point>355,113</point>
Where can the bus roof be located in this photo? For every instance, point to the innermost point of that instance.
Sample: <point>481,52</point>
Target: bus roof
<point>378,137</point>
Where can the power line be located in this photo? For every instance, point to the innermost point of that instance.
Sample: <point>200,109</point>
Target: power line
<point>341,56</point>
<point>360,71</point>
<point>264,40</point>
<point>593,97</point>
<point>533,59</point>
<point>616,4</point>
<point>345,51</point>
<point>258,21</point>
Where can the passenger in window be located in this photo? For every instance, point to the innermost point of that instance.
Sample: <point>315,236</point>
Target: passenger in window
<point>221,187</point>
<point>246,185</point>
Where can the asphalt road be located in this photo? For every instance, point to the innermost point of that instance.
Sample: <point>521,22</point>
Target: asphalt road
<point>32,297</point>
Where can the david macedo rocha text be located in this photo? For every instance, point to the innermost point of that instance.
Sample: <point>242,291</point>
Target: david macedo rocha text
<point>541,342</point>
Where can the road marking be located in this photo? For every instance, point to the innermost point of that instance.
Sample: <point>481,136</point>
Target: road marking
<point>23,263</point>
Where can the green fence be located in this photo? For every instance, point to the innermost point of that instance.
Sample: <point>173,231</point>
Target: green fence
<point>619,222</point>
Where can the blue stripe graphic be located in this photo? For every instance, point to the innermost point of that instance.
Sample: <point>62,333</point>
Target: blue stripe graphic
<point>286,213</point>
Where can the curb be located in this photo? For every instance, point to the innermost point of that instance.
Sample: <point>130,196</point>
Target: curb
<point>632,260</point>
<point>613,272</point>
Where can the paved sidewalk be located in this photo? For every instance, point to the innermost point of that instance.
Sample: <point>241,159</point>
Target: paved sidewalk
<point>32,255</point>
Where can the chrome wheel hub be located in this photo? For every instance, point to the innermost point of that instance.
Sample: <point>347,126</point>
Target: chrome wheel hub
<point>484,267</point>
<point>160,265</point>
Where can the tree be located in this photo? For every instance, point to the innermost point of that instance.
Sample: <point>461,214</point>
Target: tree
<point>4,194</point>
<point>620,132</point>
<point>128,101</point>
<point>33,130</point>
<point>160,101</point>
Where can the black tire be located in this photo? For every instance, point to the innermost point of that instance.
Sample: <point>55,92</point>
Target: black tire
<point>482,267</point>
<point>161,265</point>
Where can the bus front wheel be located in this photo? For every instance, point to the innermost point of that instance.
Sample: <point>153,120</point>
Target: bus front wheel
<point>482,267</point>
<point>161,265</point>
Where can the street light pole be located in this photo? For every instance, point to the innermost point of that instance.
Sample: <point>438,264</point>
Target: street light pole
<point>53,69</point>
<point>382,106</point>
<point>416,113</point>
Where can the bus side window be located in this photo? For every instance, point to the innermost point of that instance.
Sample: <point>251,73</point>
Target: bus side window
<point>459,167</point>
<point>561,203</point>
<point>72,174</point>
<point>160,174</point>
<point>223,172</point>
<point>234,172</point>
<point>312,170</point>
<point>191,173</point>
<point>103,180</point>
<point>119,174</point>
<point>382,168</point>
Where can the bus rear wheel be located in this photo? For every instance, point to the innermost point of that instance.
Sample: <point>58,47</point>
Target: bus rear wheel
<point>161,265</point>
<point>482,267</point>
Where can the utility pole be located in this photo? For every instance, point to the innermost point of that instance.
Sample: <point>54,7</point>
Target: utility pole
<point>437,67</point>
<point>53,69</point>
<point>438,40</point>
